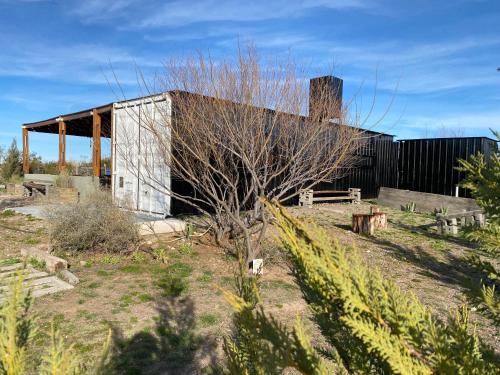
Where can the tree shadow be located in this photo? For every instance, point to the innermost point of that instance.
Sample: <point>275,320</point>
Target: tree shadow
<point>172,346</point>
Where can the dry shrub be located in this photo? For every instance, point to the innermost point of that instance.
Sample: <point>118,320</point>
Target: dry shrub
<point>63,180</point>
<point>94,224</point>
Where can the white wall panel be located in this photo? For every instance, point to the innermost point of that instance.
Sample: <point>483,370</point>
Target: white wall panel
<point>141,176</point>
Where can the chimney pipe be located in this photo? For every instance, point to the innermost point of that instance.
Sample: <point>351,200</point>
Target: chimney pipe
<point>326,92</point>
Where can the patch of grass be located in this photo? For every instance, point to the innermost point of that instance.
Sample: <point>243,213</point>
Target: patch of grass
<point>180,269</point>
<point>103,273</point>
<point>207,320</point>
<point>9,261</point>
<point>138,257</point>
<point>126,300</point>
<point>32,241</point>
<point>171,285</point>
<point>438,244</point>
<point>131,268</point>
<point>206,277</point>
<point>145,297</point>
<point>94,285</point>
<point>30,217</point>
<point>110,259</point>
<point>38,264</point>
<point>7,213</point>
<point>277,284</point>
<point>133,320</point>
<point>89,293</point>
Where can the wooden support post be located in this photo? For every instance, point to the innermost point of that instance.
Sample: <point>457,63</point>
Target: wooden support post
<point>62,145</point>
<point>26,152</point>
<point>96,144</point>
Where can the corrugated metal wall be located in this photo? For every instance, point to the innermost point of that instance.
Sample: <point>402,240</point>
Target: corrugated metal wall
<point>429,165</point>
<point>425,165</point>
<point>376,166</point>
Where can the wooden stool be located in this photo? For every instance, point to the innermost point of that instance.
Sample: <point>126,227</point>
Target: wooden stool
<point>363,223</point>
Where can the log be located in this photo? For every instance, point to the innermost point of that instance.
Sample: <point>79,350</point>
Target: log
<point>363,223</point>
<point>380,220</point>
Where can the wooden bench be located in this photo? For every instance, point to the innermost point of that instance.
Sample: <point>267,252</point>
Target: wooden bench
<point>307,197</point>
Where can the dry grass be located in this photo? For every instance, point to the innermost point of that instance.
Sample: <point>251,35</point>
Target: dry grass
<point>94,224</point>
<point>170,317</point>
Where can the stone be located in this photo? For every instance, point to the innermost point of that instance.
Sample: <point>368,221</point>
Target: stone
<point>69,277</point>
<point>83,263</point>
<point>52,263</point>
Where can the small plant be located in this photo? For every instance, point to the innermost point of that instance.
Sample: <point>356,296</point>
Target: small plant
<point>443,210</point>
<point>185,249</point>
<point>17,331</point>
<point>38,264</point>
<point>7,213</point>
<point>63,180</point>
<point>189,231</point>
<point>160,254</point>
<point>206,277</point>
<point>138,257</point>
<point>110,259</point>
<point>409,207</point>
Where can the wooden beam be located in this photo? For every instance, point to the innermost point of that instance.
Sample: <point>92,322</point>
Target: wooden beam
<point>96,144</point>
<point>26,152</point>
<point>62,146</point>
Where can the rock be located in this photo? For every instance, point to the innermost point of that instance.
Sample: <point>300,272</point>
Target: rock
<point>83,263</point>
<point>69,277</point>
<point>52,263</point>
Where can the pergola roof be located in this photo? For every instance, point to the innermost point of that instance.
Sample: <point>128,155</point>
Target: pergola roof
<point>77,123</point>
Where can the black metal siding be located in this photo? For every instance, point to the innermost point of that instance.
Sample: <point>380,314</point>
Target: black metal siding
<point>429,165</point>
<point>376,167</point>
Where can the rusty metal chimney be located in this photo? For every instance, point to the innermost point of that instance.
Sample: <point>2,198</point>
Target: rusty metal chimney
<point>329,87</point>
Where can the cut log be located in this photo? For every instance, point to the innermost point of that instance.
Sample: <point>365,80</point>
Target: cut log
<point>380,220</point>
<point>363,223</point>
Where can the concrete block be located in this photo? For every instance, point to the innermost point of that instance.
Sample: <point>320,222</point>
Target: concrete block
<point>451,230</point>
<point>170,225</point>
<point>52,263</point>
<point>69,277</point>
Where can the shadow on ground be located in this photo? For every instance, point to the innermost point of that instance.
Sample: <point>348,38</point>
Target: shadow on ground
<point>171,347</point>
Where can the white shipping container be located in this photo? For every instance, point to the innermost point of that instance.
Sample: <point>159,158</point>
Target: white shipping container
<point>141,176</point>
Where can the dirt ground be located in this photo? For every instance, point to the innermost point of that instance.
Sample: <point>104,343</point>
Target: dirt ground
<point>171,317</point>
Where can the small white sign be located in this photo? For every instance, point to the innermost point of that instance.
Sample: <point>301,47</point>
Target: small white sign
<point>257,266</point>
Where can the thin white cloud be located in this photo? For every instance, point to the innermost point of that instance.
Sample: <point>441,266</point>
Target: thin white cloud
<point>77,63</point>
<point>139,14</point>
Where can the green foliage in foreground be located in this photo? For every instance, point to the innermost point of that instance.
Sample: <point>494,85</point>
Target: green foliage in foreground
<point>483,180</point>
<point>17,329</point>
<point>369,324</point>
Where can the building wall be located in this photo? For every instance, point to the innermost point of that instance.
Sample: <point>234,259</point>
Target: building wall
<point>430,165</point>
<point>376,166</point>
<point>140,176</point>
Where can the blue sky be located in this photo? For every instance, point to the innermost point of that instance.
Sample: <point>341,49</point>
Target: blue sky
<point>436,59</point>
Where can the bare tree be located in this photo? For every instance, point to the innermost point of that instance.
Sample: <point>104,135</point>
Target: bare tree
<point>238,132</point>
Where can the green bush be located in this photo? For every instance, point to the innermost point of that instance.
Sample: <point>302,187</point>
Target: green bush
<point>370,324</point>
